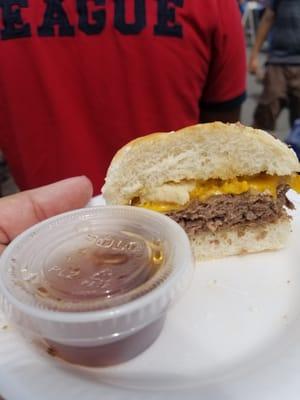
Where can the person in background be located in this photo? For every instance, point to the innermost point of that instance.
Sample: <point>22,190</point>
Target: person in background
<point>242,5</point>
<point>260,11</point>
<point>79,79</point>
<point>19,211</point>
<point>282,76</point>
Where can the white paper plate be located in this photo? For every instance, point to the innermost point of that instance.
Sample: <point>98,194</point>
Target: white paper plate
<point>234,335</point>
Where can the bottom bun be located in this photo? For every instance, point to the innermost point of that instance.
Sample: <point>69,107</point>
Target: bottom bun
<point>242,240</point>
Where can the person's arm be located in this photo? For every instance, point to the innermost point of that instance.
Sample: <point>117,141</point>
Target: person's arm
<point>232,115</point>
<point>263,30</point>
<point>21,210</point>
<point>225,88</point>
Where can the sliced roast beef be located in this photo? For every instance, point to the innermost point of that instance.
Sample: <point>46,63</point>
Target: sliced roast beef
<point>225,211</point>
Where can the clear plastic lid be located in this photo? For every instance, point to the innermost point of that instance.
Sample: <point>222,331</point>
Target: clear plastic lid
<point>94,274</point>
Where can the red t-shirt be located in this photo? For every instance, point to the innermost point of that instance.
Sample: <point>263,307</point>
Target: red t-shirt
<point>79,79</point>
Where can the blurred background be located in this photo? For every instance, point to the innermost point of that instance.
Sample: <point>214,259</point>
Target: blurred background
<point>251,15</point>
<point>254,89</point>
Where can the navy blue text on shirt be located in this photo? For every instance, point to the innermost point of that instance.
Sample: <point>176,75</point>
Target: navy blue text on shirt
<point>55,21</point>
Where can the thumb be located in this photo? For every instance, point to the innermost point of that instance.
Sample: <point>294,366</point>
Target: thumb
<point>19,211</point>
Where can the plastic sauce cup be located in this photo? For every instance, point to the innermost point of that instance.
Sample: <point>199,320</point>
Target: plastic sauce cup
<point>94,285</point>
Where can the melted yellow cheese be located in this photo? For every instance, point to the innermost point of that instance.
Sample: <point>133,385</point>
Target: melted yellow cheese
<point>261,183</point>
<point>161,207</point>
<point>294,182</point>
<point>257,184</point>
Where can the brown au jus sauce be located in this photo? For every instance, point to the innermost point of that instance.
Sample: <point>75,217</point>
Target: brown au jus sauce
<point>110,354</point>
<point>94,285</point>
<point>94,276</point>
<point>112,265</point>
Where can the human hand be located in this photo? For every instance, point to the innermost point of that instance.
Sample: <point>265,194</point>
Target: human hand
<point>254,65</point>
<point>21,210</point>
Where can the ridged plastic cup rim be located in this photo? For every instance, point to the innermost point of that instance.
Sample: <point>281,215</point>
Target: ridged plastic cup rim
<point>183,259</point>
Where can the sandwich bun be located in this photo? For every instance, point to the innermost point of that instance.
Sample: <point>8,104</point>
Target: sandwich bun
<point>162,166</point>
<point>240,241</point>
<point>200,152</point>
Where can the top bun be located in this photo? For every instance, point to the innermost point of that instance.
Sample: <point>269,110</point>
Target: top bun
<point>204,151</point>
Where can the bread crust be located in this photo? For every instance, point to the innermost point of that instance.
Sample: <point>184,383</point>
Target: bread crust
<point>241,241</point>
<point>203,151</point>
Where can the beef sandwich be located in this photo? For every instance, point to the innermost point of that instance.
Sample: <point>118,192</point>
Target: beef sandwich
<point>225,184</point>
